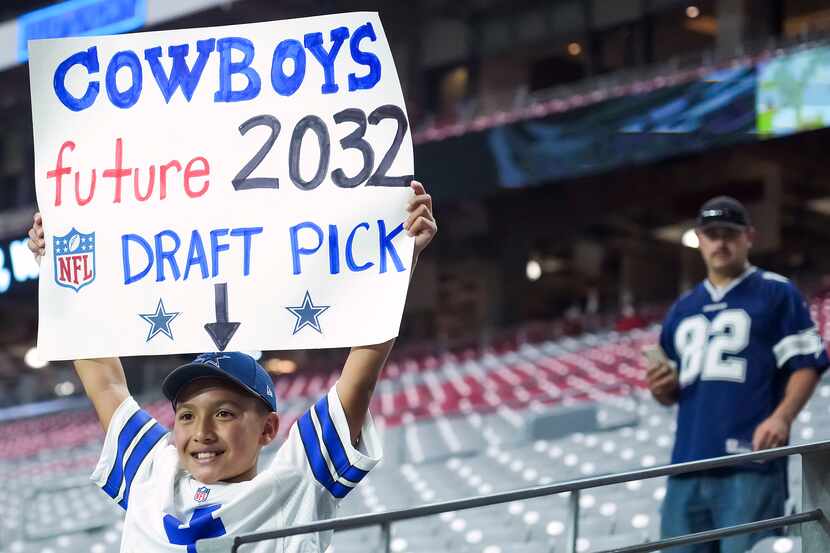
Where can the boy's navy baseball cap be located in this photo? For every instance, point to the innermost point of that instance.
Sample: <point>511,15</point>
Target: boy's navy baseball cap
<point>723,211</point>
<point>239,368</point>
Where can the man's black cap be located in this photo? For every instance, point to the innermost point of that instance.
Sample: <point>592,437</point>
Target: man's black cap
<point>723,211</point>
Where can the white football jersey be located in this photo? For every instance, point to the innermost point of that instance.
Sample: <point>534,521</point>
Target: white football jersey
<point>168,511</point>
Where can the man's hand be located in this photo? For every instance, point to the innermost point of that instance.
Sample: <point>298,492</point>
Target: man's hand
<point>420,223</point>
<point>662,383</point>
<point>773,432</point>
<point>36,241</point>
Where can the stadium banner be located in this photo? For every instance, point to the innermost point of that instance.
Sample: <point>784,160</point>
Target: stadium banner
<point>715,110</point>
<point>240,187</point>
<point>18,268</point>
<point>79,18</point>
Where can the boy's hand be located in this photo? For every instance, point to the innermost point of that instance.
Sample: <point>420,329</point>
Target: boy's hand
<point>420,223</point>
<point>36,242</point>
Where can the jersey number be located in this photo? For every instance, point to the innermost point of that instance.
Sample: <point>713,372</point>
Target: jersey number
<point>200,526</point>
<point>707,349</point>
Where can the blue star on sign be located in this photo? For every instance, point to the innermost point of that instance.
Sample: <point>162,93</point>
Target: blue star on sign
<point>307,314</point>
<point>159,321</point>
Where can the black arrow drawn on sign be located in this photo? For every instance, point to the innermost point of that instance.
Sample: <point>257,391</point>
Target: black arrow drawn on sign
<point>221,331</point>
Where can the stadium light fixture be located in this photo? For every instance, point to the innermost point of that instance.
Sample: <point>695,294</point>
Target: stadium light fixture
<point>64,389</point>
<point>533,270</point>
<point>280,366</point>
<point>33,360</point>
<point>574,49</point>
<point>820,205</point>
<point>692,12</point>
<point>690,239</point>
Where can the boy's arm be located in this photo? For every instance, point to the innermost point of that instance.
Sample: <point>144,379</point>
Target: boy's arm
<point>103,379</point>
<point>362,369</point>
<point>357,382</point>
<point>105,385</point>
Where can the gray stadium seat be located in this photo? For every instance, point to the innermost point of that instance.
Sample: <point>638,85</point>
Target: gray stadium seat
<point>778,545</point>
<point>493,454</point>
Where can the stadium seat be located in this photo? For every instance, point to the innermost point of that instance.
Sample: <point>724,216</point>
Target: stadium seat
<point>786,544</point>
<point>447,434</point>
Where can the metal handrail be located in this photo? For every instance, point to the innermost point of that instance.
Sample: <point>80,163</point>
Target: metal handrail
<point>386,518</point>
<point>711,535</point>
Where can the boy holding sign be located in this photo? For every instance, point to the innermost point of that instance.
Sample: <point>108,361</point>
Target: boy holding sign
<point>195,487</point>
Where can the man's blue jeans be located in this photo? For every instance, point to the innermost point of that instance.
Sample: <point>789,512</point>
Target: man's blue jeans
<point>703,501</point>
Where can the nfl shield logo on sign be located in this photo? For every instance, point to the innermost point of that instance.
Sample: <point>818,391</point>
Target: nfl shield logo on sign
<point>74,257</point>
<point>201,494</point>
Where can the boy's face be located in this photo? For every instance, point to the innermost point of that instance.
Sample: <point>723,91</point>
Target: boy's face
<point>219,430</point>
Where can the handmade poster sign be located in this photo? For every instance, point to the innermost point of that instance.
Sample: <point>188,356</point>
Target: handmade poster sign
<point>238,187</point>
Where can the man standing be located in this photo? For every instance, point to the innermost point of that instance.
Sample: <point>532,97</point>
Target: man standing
<point>743,357</point>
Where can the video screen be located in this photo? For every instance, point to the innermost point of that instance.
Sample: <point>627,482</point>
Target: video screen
<point>794,93</point>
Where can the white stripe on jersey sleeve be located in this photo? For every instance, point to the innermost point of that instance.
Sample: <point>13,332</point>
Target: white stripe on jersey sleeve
<point>370,449</point>
<point>129,451</point>
<point>316,443</point>
<point>806,342</point>
<point>106,461</point>
<point>769,275</point>
<point>325,451</point>
<point>132,438</point>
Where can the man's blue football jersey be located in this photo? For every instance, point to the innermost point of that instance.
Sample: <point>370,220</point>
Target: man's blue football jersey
<point>735,348</point>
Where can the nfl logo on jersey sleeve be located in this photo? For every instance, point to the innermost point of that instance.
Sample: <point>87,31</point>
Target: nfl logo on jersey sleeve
<point>74,255</point>
<point>201,494</point>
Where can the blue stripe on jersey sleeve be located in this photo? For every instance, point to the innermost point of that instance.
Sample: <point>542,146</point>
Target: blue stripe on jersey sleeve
<point>334,445</point>
<point>139,453</point>
<point>319,468</point>
<point>134,424</point>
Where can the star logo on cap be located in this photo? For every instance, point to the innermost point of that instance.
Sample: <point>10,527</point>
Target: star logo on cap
<point>307,314</point>
<point>211,359</point>
<point>159,321</point>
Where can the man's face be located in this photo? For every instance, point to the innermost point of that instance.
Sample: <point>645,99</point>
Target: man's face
<point>725,249</point>
<point>219,430</point>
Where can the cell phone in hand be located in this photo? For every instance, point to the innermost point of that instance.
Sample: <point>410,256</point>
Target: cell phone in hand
<point>655,355</point>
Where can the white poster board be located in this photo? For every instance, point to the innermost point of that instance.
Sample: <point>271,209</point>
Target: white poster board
<point>239,187</point>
